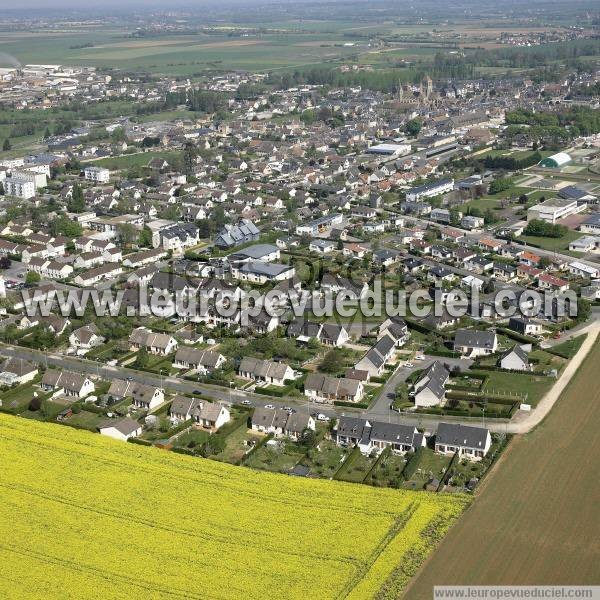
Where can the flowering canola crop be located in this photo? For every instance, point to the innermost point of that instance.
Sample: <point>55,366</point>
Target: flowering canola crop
<point>83,516</point>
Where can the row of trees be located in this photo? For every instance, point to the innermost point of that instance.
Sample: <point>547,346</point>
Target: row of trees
<point>576,120</point>
<point>540,228</point>
<point>511,163</point>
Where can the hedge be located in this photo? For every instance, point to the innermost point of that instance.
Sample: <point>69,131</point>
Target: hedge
<point>479,398</point>
<point>270,392</point>
<point>463,412</point>
<point>519,337</point>
<point>411,465</point>
<point>92,408</point>
<point>382,455</point>
<point>449,471</point>
<point>443,353</point>
<point>179,450</point>
<point>351,404</point>
<point>512,371</point>
<point>420,327</point>
<point>141,442</point>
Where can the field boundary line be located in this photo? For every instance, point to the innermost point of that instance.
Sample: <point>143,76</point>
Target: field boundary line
<point>392,532</point>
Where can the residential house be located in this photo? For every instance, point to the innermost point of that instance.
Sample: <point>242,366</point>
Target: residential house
<point>334,284</point>
<point>472,443</point>
<point>202,361</point>
<point>235,235</point>
<point>550,282</point>
<point>373,436</point>
<point>154,343</point>
<point>322,246</point>
<point>273,373</point>
<point>524,326</point>
<point>584,270</point>
<point>210,415</point>
<point>377,357</point>
<point>17,371</point>
<point>279,422</point>
<point>269,420</point>
<point>514,359</point>
<point>429,389</point>
<point>330,389</point>
<point>332,334</point>
<point>121,429</point>
<point>505,271</point>
<point>85,338</point>
<point>181,408</point>
<point>67,383</point>
<point>396,328</point>
<point>262,272</point>
<point>146,397</point>
<point>472,342</point>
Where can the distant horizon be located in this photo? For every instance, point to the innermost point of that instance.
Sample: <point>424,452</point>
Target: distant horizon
<point>131,5</point>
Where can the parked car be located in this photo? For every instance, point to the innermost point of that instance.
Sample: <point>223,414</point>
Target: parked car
<point>322,417</point>
<point>246,402</point>
<point>269,406</point>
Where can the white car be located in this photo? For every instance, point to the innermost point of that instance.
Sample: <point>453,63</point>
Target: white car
<point>419,357</point>
<point>269,406</point>
<point>322,417</point>
<point>245,401</point>
<point>409,365</point>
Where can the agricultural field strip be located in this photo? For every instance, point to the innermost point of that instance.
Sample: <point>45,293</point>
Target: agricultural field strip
<point>381,538</point>
<point>131,53</point>
<point>217,482</point>
<point>110,576</point>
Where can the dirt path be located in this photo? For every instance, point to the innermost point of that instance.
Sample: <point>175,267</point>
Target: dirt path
<point>525,423</point>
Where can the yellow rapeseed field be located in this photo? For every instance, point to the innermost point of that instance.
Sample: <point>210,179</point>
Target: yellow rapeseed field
<point>82,516</point>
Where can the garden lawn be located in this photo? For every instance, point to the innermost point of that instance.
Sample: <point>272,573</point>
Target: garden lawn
<point>278,459</point>
<point>528,387</point>
<point>326,460</point>
<point>560,244</point>
<point>569,348</point>
<point>355,467</point>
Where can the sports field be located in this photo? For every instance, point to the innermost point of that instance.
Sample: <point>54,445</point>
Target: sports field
<point>536,518</point>
<point>83,516</point>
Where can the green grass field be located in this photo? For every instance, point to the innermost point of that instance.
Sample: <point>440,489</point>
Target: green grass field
<point>553,244</point>
<point>101,518</point>
<point>531,387</point>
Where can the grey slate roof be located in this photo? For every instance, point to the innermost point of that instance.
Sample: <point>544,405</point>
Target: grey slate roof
<point>303,327</point>
<point>193,356</point>
<point>255,252</point>
<point>516,349</point>
<point>467,436</point>
<point>260,268</point>
<point>434,378</point>
<point>263,368</point>
<point>234,235</point>
<point>472,338</point>
<point>331,385</point>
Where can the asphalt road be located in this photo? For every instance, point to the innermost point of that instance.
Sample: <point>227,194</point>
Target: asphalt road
<point>380,410</point>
